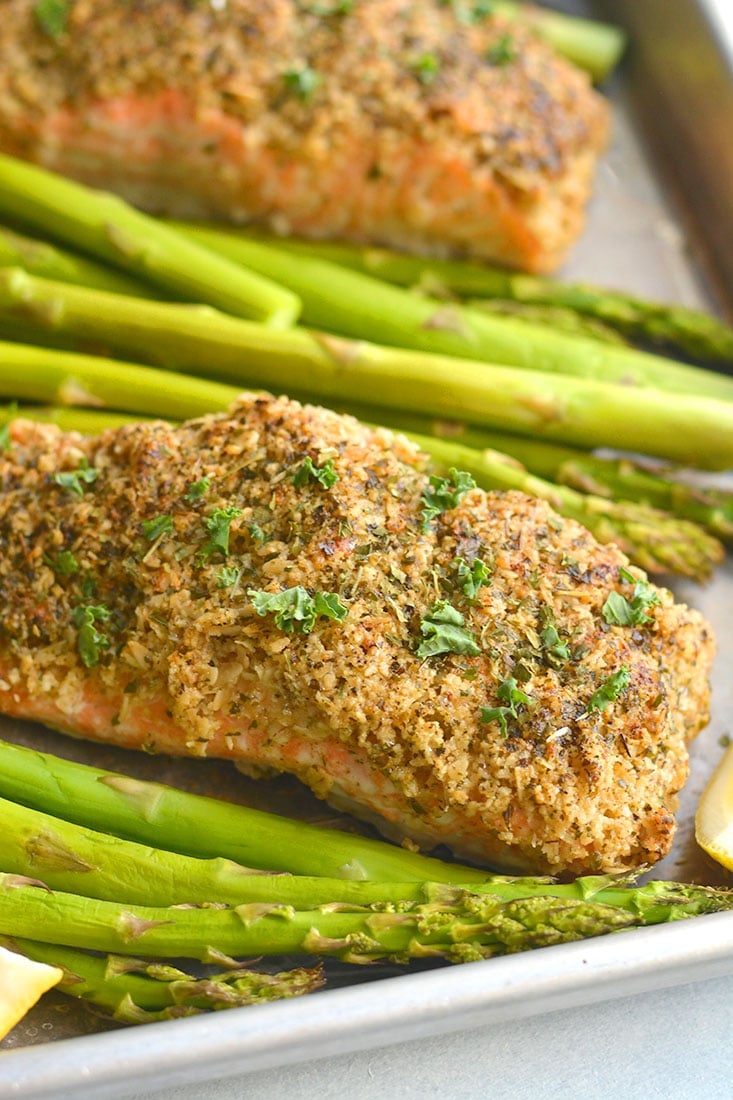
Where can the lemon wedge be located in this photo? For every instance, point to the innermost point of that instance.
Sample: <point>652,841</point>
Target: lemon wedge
<point>22,982</point>
<point>714,818</point>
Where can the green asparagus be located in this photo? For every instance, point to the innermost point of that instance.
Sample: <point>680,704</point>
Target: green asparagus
<point>559,318</point>
<point>615,478</point>
<point>460,927</point>
<point>689,330</point>
<point>574,410</point>
<point>194,825</point>
<point>70,418</point>
<point>466,928</point>
<point>51,262</point>
<point>134,991</point>
<point>77,860</point>
<point>348,303</point>
<point>67,378</point>
<point>107,227</point>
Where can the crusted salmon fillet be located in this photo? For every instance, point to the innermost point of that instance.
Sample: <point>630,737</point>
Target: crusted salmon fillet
<point>278,586</point>
<point>377,121</point>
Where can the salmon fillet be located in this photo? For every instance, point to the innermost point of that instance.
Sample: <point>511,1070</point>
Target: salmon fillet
<point>384,122</point>
<point>131,615</point>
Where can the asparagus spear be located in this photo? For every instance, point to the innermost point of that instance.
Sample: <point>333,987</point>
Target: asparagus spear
<point>352,304</point>
<point>654,540</point>
<point>460,928</point>
<point>67,378</point>
<point>195,825</point>
<point>77,860</point>
<point>614,478</point>
<point>686,429</point>
<point>134,991</point>
<point>465,929</point>
<point>108,228</point>
<point>691,331</point>
<point>51,262</point>
<point>69,418</point>
<point>559,318</point>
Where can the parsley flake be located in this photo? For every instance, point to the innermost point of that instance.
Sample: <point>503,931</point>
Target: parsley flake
<point>325,475</point>
<point>75,480</point>
<point>444,493</point>
<point>472,577</point>
<point>51,16</point>
<point>218,525</point>
<point>228,576</point>
<point>556,651</point>
<point>198,489</point>
<point>153,528</point>
<point>64,564</point>
<point>610,690</point>
<point>512,695</point>
<point>295,610</point>
<point>89,641</point>
<point>340,7</point>
<point>618,611</point>
<point>426,67</point>
<point>444,632</point>
<point>302,82</point>
<point>258,535</point>
<point>502,52</point>
<point>469,13</point>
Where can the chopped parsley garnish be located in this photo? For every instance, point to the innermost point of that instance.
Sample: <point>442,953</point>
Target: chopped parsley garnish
<point>610,690</point>
<point>65,564</point>
<point>444,493</point>
<point>295,610</point>
<point>218,525</point>
<point>512,695</point>
<point>257,533</point>
<point>75,480</point>
<point>198,489</point>
<point>227,576</point>
<point>469,13</point>
<point>51,16</point>
<point>618,611</point>
<point>556,651</point>
<point>302,82</point>
<point>426,67</point>
<point>481,10</point>
<point>444,632</point>
<point>325,475</point>
<point>340,7</point>
<point>154,528</point>
<point>90,641</point>
<point>502,52</point>
<point>472,577</point>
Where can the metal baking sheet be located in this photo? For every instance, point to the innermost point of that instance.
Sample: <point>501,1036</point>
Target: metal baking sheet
<point>641,236</point>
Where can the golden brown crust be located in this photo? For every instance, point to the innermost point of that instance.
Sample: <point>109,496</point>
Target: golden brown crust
<point>350,707</point>
<point>422,130</point>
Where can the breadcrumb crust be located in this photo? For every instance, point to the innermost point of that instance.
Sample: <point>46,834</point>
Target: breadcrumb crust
<point>191,668</point>
<point>411,127</point>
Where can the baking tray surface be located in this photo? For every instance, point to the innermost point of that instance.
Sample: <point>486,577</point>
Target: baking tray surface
<point>634,241</point>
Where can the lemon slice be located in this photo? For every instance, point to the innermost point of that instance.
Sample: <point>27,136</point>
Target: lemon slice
<point>22,982</point>
<point>714,818</point>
